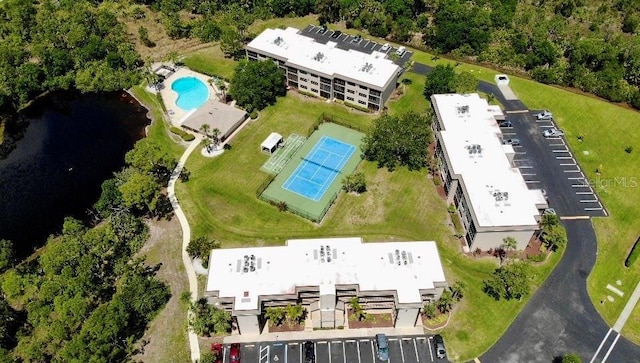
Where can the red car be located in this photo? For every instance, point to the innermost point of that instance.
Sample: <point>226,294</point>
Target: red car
<point>234,354</point>
<point>217,350</point>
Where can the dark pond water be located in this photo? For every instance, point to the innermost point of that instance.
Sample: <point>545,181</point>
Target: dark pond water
<point>71,145</point>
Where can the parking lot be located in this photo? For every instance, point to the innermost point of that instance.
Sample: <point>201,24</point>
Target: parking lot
<point>347,42</point>
<point>547,163</point>
<point>403,349</point>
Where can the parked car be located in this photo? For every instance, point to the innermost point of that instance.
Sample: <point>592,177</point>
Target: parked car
<point>553,132</point>
<point>336,34</point>
<point>382,345</point>
<point>400,52</point>
<point>356,39</point>
<point>505,123</point>
<point>438,344</point>
<point>234,353</point>
<point>512,142</point>
<point>544,115</point>
<point>218,352</point>
<point>309,352</point>
<point>385,47</point>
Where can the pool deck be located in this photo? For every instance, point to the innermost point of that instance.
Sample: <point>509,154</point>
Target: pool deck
<point>169,96</point>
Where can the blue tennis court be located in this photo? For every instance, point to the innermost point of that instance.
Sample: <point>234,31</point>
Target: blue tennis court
<point>319,168</point>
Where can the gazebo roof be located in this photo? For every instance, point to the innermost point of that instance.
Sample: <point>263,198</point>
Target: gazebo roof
<point>271,141</point>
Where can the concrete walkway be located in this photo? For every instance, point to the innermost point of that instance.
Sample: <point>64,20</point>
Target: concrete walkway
<point>186,237</point>
<point>626,312</point>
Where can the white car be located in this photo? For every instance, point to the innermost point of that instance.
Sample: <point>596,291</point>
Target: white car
<point>553,132</point>
<point>544,115</point>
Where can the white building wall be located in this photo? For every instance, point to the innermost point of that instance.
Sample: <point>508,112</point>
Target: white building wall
<point>488,240</point>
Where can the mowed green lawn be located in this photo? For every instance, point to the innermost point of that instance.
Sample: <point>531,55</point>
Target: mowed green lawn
<point>220,202</point>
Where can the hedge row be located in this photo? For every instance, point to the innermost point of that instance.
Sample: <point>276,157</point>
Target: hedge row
<point>183,134</point>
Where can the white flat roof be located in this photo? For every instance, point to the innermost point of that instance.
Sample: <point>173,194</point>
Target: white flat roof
<point>472,140</point>
<point>406,267</point>
<point>301,51</point>
<point>272,140</point>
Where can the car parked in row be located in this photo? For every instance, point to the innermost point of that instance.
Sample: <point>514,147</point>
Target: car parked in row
<point>505,123</point>
<point>234,353</point>
<point>309,352</point>
<point>544,115</point>
<point>382,345</point>
<point>553,132</point>
<point>512,142</point>
<point>218,352</point>
<point>438,344</point>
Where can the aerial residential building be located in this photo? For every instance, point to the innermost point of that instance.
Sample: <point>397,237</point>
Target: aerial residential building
<point>323,275</point>
<point>325,70</point>
<point>478,174</point>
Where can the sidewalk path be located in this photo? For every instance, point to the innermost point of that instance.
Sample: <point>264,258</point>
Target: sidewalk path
<point>186,237</point>
<point>626,312</point>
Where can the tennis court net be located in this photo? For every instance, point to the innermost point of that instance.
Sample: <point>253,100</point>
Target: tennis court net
<point>320,165</point>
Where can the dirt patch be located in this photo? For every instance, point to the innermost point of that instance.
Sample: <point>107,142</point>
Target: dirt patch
<point>384,320</point>
<point>438,322</point>
<point>166,338</point>
<point>286,326</point>
<point>372,210</point>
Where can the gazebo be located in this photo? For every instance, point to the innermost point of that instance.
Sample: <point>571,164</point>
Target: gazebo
<point>271,143</point>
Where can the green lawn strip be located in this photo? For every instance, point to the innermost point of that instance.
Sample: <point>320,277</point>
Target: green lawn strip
<point>158,130</point>
<point>631,329</point>
<point>412,98</point>
<point>211,61</point>
<point>606,131</point>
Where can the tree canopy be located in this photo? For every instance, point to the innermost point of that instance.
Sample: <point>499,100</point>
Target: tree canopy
<point>399,140</point>
<point>509,282</point>
<point>255,85</point>
<point>444,79</point>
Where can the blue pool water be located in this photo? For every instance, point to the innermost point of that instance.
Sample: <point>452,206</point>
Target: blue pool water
<point>319,168</point>
<point>192,93</point>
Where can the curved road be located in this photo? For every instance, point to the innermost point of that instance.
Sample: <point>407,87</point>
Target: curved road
<point>186,237</point>
<point>560,317</point>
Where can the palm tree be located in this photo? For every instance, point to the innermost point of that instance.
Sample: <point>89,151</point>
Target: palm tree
<point>207,137</point>
<point>510,243</point>
<point>215,138</point>
<point>222,87</point>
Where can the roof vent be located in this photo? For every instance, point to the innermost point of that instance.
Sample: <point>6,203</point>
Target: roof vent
<point>462,109</point>
<point>319,57</point>
<point>278,41</point>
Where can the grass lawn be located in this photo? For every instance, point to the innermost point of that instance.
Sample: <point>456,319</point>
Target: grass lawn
<point>210,61</point>
<point>220,202</point>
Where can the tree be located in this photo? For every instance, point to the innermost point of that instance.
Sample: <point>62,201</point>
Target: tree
<point>445,302</point>
<point>206,319</point>
<point>429,310</point>
<point>110,198</point>
<point>201,247</point>
<point>356,309</point>
<point>222,87</point>
<point>439,80</point>
<point>399,140</point>
<point>231,42</point>
<point>149,157</point>
<point>571,358</point>
<point>140,191</point>
<point>256,85</point>
<point>355,183</point>
<point>508,282</point>
<point>6,254</point>
<point>295,313</point>
<point>509,244</point>
<point>275,315</point>
<point>465,82</point>
<point>555,237</point>
<point>457,290</point>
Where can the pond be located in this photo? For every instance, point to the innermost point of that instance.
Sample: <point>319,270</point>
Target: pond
<point>70,144</point>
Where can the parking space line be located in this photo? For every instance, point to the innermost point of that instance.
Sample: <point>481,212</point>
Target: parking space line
<point>508,134</point>
<point>430,352</point>
<point>554,138</point>
<point>571,171</point>
<point>373,354</point>
<point>329,347</point>
<point>530,174</point>
<point>358,346</point>
<point>583,193</point>
<point>520,153</point>
<point>401,352</point>
<point>576,178</point>
<point>580,186</point>
<point>560,151</point>
<point>567,164</point>
<point>545,126</point>
<point>563,157</point>
<point>525,167</point>
<point>561,144</point>
<point>415,347</point>
<point>593,209</point>
<point>364,340</point>
<point>344,353</point>
<point>589,201</point>
<point>532,181</point>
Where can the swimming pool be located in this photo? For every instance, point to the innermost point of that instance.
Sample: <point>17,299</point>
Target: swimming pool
<point>192,93</point>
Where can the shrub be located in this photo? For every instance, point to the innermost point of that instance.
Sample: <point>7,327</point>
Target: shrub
<point>357,107</point>
<point>183,134</point>
<point>355,183</point>
<point>254,114</point>
<point>628,149</point>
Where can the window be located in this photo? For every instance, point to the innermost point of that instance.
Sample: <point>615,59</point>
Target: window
<point>351,91</point>
<point>303,86</point>
<point>314,90</point>
<point>363,87</point>
<point>351,83</point>
<point>362,94</point>
<point>314,75</point>
<point>303,79</point>
<point>315,83</point>
<point>362,102</point>
<point>339,88</point>
<point>349,98</point>
<point>325,87</point>
<point>374,92</point>
<point>374,99</point>
<point>339,81</point>
<point>302,72</point>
